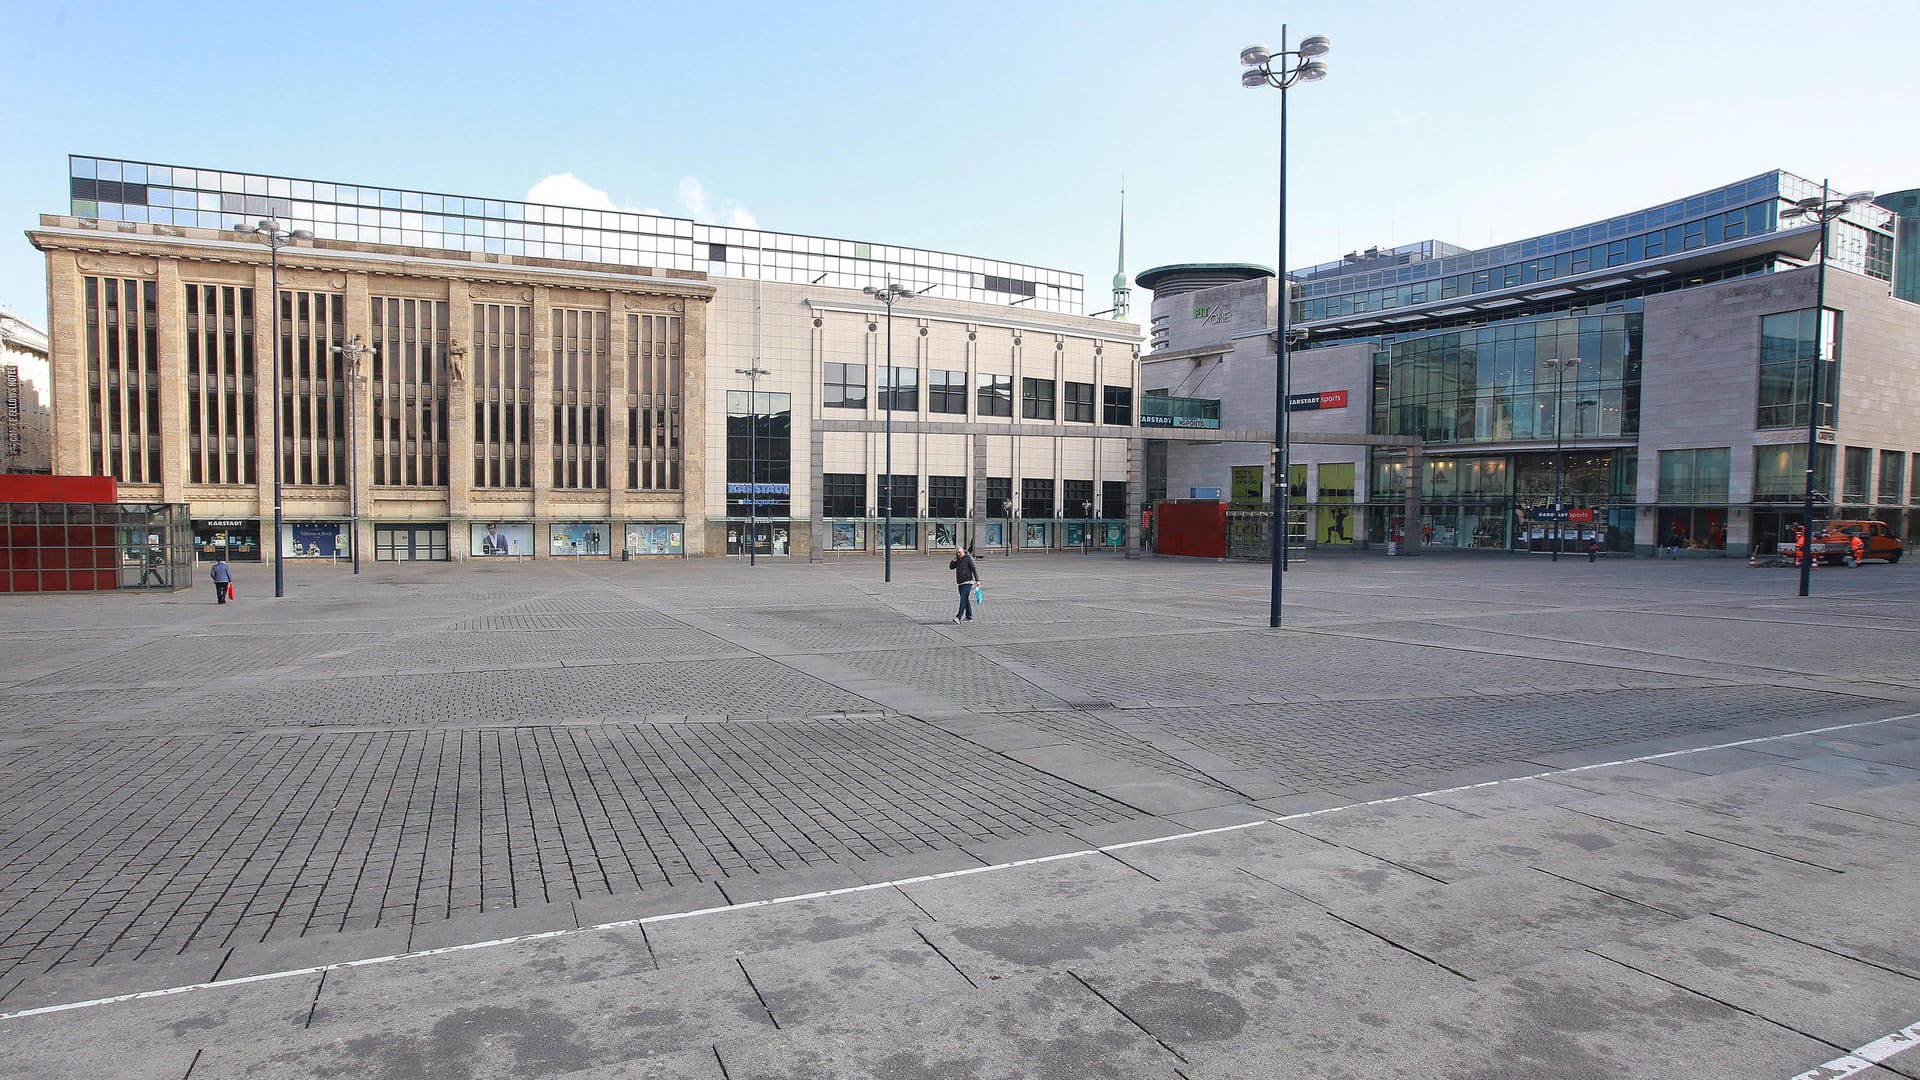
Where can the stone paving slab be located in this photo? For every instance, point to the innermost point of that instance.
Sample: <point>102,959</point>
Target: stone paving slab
<point>1842,1002</point>
<point>436,755</point>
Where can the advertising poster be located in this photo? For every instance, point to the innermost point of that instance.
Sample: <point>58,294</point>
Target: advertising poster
<point>1249,486</point>
<point>577,538</point>
<point>661,539</point>
<point>316,540</point>
<point>905,536</point>
<point>1036,535</point>
<point>1076,534</point>
<point>1334,525</point>
<point>945,535</point>
<point>1114,537</point>
<point>499,538</point>
<point>849,536</point>
<point>994,535</point>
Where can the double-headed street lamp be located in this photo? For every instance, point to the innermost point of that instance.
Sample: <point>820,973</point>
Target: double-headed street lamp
<point>753,458</point>
<point>350,355</point>
<point>888,294</point>
<point>276,236</point>
<point>1823,209</point>
<point>1281,70</point>
<point>1559,368</point>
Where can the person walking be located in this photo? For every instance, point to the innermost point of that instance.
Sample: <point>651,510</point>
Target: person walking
<point>154,562</point>
<point>222,575</point>
<point>967,573</point>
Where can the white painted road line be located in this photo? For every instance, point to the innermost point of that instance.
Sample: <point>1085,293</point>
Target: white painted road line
<point>519,939</point>
<point>1866,1057</point>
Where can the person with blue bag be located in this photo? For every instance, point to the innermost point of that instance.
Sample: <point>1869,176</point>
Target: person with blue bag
<point>967,573</point>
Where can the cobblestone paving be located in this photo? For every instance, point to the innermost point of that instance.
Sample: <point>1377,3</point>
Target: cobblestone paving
<point>755,688</point>
<point>1358,742</point>
<point>425,743</point>
<point>399,826</point>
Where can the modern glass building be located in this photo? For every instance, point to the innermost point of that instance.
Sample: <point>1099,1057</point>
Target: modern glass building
<point>1637,382</point>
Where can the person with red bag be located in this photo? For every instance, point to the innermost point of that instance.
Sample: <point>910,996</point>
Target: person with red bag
<point>222,580</point>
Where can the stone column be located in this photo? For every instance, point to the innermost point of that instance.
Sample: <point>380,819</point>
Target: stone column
<point>173,384</point>
<point>542,409</point>
<point>693,424</point>
<point>1136,492</point>
<point>360,392</point>
<point>67,357</point>
<point>977,487</point>
<point>266,454</point>
<point>619,496</point>
<point>461,366</point>
<point>1410,531</point>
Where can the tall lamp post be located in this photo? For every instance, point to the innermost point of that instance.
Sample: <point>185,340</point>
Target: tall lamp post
<point>272,233</point>
<point>1281,70</point>
<point>888,294</point>
<point>753,458</point>
<point>350,355</point>
<point>1559,368</point>
<point>1823,209</point>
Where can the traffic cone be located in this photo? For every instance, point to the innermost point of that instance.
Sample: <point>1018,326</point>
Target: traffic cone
<point>1753,557</point>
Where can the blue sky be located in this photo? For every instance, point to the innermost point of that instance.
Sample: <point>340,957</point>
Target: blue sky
<point>994,129</point>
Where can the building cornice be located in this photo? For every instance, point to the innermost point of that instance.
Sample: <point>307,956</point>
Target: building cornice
<point>325,256</point>
<point>1084,325</point>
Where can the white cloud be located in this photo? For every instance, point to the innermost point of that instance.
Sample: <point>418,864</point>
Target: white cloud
<point>566,189</point>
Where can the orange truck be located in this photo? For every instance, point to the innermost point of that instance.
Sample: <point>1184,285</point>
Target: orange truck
<point>1837,541</point>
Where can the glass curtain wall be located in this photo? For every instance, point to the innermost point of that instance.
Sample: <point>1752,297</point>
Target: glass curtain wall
<point>759,471</point>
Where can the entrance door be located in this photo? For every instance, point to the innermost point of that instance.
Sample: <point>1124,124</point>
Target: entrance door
<point>410,543</point>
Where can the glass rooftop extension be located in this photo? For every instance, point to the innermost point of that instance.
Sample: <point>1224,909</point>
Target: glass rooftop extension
<point>111,189</point>
<point>1363,286</point>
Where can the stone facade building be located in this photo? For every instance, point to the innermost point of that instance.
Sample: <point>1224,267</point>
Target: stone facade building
<point>476,378</point>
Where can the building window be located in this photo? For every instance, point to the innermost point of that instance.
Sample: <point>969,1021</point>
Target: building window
<point>906,495</point>
<point>409,414</point>
<point>313,393</point>
<point>654,358</point>
<point>996,395</point>
<point>220,381</point>
<point>843,495</point>
<point>846,387</point>
<point>1079,403</point>
<point>579,383</point>
<point>1036,399</point>
<point>1036,497</point>
<point>1694,476</point>
<point>1779,473</point>
<point>502,377</point>
<point>1076,498</point>
<point>1119,405</point>
<point>947,392</point>
<point>759,454</point>
<point>1113,499</point>
<point>1892,475</point>
<point>946,496</point>
<point>999,496</point>
<point>901,393</point>
<point>1790,345</point>
<point>123,377</point>
<point>1859,465</point>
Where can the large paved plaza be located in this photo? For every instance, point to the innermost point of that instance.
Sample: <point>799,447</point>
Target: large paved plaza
<point>1462,817</point>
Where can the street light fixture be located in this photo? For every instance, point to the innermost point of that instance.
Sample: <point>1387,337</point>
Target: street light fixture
<point>272,233</point>
<point>1559,368</point>
<point>1282,70</point>
<point>887,294</point>
<point>350,355</point>
<point>1823,209</point>
<point>753,458</point>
